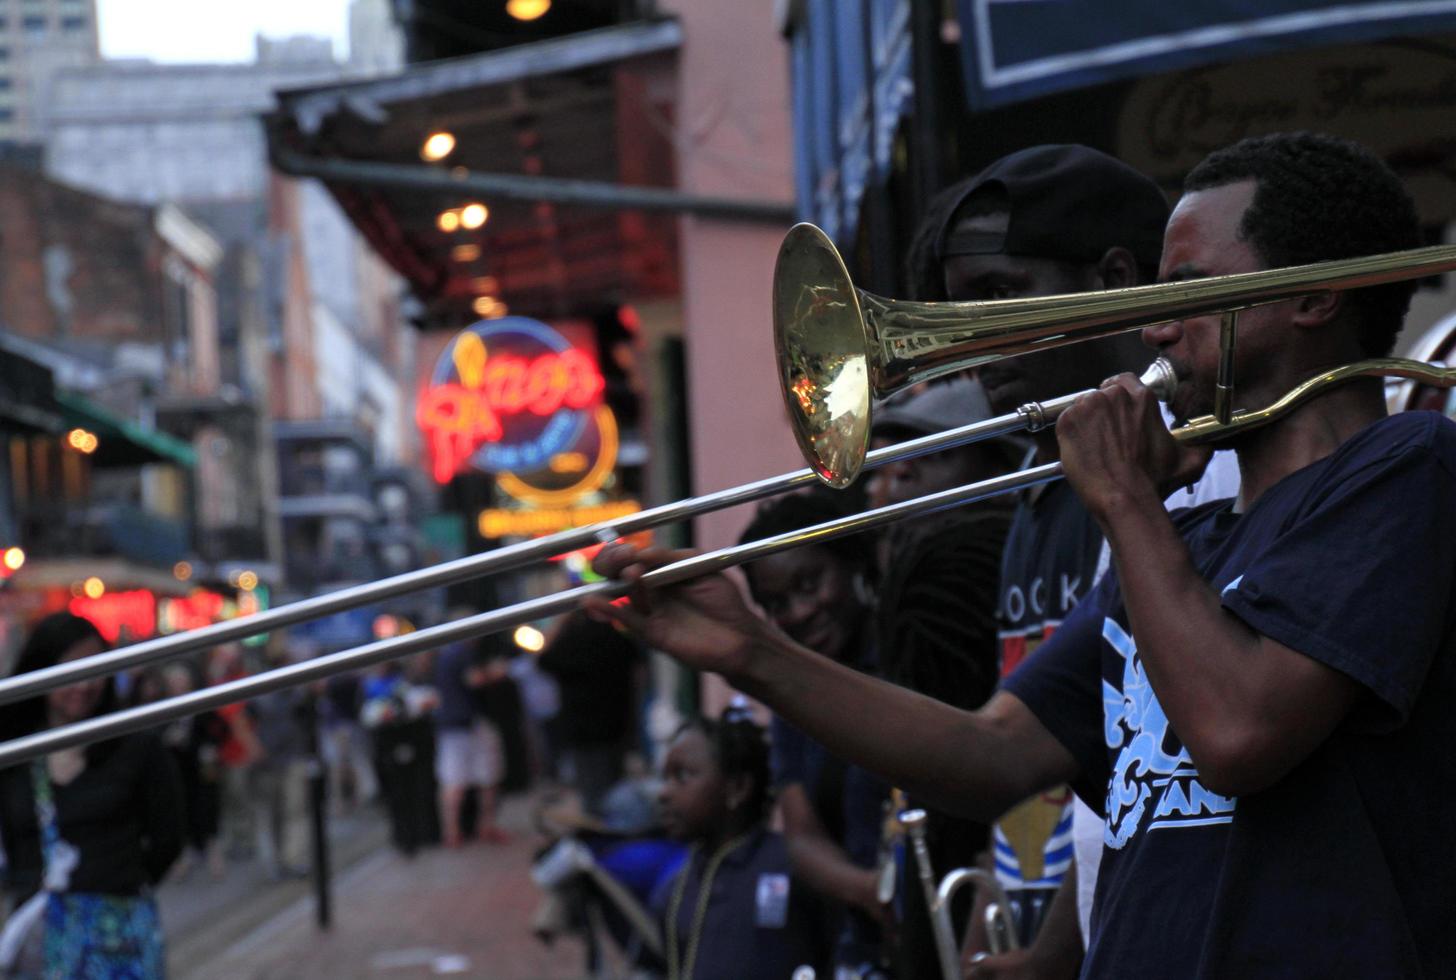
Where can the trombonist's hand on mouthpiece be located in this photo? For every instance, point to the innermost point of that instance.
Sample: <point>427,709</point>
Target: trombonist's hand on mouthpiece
<point>1117,452</point>
<point>704,622</point>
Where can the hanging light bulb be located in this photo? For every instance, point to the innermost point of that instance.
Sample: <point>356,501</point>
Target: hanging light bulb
<point>437,146</point>
<point>473,215</point>
<point>527,9</point>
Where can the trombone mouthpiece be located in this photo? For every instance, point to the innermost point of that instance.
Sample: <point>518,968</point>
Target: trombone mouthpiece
<point>1161,378</point>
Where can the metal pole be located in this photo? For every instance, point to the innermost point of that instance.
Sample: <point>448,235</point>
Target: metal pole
<point>160,712</point>
<point>582,193</point>
<point>318,803</point>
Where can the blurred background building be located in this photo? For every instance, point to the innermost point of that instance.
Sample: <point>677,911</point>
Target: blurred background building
<point>36,39</point>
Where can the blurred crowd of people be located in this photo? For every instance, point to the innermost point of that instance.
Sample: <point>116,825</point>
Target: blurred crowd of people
<point>431,741</point>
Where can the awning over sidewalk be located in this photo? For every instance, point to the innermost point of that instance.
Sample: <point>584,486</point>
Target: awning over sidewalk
<point>121,442</point>
<point>1013,50</point>
<point>556,138</point>
<point>119,575</point>
<point>27,396</point>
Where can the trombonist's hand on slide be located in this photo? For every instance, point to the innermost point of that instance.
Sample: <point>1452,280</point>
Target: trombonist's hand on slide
<point>1117,452</point>
<point>704,622</point>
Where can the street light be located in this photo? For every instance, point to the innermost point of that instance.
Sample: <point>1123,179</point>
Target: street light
<point>448,221</point>
<point>489,308</point>
<point>473,215</point>
<point>530,639</point>
<point>82,441</point>
<point>527,9</point>
<point>437,146</point>
<point>93,587</point>
<point>13,559</point>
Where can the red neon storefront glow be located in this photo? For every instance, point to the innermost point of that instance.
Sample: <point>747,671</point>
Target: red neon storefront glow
<point>458,418</point>
<point>134,610</point>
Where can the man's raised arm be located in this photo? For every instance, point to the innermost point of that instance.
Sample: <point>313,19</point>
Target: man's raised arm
<point>974,764</point>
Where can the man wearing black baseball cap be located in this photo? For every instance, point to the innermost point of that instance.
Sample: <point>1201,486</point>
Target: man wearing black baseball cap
<point>1044,220</point>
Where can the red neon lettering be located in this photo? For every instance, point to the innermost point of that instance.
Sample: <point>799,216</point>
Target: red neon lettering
<point>457,418</point>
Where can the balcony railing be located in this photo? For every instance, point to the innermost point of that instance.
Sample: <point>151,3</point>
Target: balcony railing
<point>63,531</point>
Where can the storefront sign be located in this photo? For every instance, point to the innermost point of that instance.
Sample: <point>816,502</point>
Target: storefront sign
<point>500,522</point>
<point>122,617</point>
<point>1014,50</point>
<point>506,395</point>
<point>201,608</point>
<point>515,398</point>
<point>1397,98</point>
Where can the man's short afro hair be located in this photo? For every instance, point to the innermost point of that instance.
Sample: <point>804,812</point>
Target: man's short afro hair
<point>1319,198</point>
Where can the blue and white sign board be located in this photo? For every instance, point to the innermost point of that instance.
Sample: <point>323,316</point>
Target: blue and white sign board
<point>1015,50</point>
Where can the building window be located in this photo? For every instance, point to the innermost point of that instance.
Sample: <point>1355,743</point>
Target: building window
<point>5,83</point>
<point>6,114</point>
<point>33,23</point>
<point>73,23</point>
<point>4,23</point>
<point>4,54</point>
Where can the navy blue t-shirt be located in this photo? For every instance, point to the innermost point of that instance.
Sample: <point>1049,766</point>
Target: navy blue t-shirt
<point>1344,867</point>
<point>758,922</point>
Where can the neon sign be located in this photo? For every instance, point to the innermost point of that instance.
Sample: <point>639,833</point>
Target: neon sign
<point>515,398</point>
<point>499,522</point>
<point>132,613</point>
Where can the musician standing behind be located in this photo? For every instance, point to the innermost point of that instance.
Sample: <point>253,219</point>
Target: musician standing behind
<point>1045,220</point>
<point>831,810</point>
<point>1051,219</point>
<point>935,619</point>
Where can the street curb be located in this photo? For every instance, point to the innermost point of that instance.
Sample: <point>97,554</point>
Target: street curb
<point>194,954</point>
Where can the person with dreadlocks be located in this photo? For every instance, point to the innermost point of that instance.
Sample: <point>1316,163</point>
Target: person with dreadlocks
<point>733,910</point>
<point>832,811</point>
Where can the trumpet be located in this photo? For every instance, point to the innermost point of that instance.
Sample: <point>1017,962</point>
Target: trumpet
<point>1000,929</point>
<point>837,347</point>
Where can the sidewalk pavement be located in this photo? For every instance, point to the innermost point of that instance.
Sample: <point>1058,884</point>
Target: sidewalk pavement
<point>463,913</point>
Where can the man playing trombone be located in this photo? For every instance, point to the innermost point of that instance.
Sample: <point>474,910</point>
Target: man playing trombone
<point>1259,696</point>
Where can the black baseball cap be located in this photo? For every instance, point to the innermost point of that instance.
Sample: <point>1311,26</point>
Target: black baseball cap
<point>1066,202</point>
<point>941,405</point>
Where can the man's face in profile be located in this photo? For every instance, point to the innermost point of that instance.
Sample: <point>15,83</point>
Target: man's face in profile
<point>1014,381</point>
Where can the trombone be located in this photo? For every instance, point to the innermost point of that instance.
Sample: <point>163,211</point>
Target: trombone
<point>837,346</point>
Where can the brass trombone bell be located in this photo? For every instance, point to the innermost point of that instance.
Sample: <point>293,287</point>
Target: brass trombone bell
<point>839,347</point>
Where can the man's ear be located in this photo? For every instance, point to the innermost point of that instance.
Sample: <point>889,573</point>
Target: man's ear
<point>1118,268</point>
<point>1317,309</point>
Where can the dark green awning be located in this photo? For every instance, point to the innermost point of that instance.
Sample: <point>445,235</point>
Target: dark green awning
<point>121,441</point>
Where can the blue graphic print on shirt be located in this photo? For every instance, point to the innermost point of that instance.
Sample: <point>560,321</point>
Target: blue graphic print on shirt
<point>1325,870</point>
<point>1152,765</point>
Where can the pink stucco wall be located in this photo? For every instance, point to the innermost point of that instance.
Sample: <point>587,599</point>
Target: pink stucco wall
<point>733,127</point>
